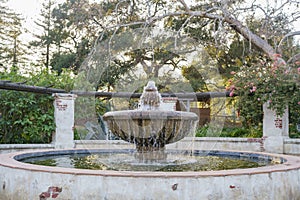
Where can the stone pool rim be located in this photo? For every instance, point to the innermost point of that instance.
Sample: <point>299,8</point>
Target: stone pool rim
<point>291,163</point>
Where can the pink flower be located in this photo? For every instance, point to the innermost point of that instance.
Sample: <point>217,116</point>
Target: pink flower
<point>258,99</point>
<point>276,55</point>
<point>298,102</point>
<point>298,70</point>
<point>231,93</point>
<point>253,89</point>
<point>232,72</point>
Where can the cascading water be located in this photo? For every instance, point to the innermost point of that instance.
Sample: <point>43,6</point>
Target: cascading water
<point>150,127</point>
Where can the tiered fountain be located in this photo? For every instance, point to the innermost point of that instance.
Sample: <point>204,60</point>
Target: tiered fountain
<point>150,127</point>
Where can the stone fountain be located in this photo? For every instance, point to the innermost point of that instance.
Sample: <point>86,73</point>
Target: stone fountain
<point>150,127</point>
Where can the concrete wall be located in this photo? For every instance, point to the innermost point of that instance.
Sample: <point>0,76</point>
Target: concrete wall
<point>24,181</point>
<point>217,143</point>
<point>7,148</point>
<point>291,146</point>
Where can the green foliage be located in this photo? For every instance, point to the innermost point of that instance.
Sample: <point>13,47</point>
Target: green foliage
<point>25,118</point>
<point>73,32</point>
<point>196,79</point>
<point>272,82</point>
<point>28,117</point>
<point>294,133</point>
<point>113,73</point>
<point>11,48</point>
<point>232,132</point>
<point>202,131</point>
<point>60,61</point>
<point>45,40</point>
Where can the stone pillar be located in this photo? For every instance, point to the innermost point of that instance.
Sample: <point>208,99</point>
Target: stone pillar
<point>275,130</point>
<point>64,120</point>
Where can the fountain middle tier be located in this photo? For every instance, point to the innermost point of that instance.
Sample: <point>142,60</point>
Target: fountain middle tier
<point>151,130</point>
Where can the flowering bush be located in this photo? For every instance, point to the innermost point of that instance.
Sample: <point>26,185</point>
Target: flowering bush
<point>268,81</point>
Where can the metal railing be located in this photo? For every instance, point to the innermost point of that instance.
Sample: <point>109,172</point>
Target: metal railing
<point>196,96</point>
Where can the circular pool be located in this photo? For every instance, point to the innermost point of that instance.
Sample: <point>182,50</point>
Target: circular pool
<point>164,161</point>
<point>28,181</point>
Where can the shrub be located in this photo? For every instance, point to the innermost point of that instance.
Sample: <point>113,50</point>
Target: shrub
<point>28,117</point>
<point>232,132</point>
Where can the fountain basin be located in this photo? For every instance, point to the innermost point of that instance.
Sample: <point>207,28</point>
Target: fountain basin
<point>26,181</point>
<point>151,130</point>
<point>166,161</point>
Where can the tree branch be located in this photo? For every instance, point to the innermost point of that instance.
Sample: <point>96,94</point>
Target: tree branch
<point>285,37</point>
<point>225,16</point>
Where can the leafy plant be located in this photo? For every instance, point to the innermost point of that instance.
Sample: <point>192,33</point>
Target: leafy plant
<point>28,117</point>
<point>232,132</point>
<point>275,83</point>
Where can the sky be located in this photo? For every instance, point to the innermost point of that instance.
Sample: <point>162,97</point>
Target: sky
<point>27,7</point>
<point>30,11</point>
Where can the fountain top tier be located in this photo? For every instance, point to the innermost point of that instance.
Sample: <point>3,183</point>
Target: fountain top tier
<point>150,99</point>
<point>149,127</point>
